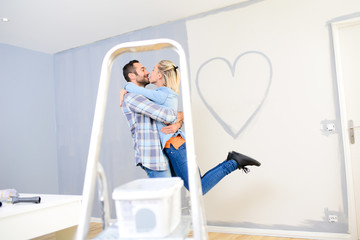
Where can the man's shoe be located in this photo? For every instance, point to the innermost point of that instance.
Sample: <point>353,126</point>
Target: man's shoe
<point>242,160</point>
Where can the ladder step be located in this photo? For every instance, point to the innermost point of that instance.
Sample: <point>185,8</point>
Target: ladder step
<point>180,233</point>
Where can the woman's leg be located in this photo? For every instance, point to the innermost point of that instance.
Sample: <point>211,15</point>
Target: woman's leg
<point>216,174</point>
<point>178,160</point>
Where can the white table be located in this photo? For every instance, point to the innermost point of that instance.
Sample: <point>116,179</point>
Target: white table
<point>55,213</point>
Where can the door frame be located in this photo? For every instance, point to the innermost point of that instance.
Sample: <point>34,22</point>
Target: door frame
<point>335,26</point>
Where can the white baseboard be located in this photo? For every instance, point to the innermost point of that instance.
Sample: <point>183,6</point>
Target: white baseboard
<point>281,233</point>
<point>95,220</point>
<point>268,232</point>
<point>99,220</point>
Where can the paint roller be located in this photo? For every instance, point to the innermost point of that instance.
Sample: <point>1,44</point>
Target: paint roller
<point>36,199</point>
<point>12,196</point>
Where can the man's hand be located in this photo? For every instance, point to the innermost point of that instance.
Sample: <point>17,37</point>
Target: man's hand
<point>122,95</point>
<point>172,128</point>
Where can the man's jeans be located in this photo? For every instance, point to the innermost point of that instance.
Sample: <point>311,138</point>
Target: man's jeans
<point>157,174</point>
<point>178,161</point>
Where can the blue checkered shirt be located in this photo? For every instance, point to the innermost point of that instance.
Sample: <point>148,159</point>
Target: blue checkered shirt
<point>142,115</point>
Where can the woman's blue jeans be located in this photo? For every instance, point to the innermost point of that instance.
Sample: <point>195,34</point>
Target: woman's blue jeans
<point>178,161</point>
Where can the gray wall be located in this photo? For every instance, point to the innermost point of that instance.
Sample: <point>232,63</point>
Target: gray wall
<point>77,74</point>
<point>28,159</point>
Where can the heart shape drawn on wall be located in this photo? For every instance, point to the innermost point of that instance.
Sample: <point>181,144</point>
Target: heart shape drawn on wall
<point>249,85</point>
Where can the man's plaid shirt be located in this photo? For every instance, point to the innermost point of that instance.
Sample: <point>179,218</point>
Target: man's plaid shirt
<point>142,115</point>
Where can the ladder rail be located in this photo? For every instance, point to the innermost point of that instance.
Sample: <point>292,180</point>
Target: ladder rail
<point>103,196</point>
<point>198,214</point>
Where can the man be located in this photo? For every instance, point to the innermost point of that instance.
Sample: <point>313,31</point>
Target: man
<point>142,115</point>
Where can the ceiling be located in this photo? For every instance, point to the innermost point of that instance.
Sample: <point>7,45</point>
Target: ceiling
<point>57,25</point>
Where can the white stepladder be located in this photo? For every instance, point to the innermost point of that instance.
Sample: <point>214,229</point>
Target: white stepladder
<point>94,169</point>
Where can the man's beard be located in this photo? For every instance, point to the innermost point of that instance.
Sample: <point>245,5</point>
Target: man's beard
<point>143,81</point>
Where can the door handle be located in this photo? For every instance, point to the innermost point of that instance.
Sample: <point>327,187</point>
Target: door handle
<point>351,131</point>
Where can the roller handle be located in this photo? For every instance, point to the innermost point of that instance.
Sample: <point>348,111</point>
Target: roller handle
<point>25,199</point>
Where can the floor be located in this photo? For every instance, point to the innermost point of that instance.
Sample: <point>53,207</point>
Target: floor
<point>96,228</point>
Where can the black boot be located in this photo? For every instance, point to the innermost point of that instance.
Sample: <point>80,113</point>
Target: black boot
<point>243,160</point>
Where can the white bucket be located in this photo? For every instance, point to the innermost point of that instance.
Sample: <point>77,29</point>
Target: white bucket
<point>148,208</point>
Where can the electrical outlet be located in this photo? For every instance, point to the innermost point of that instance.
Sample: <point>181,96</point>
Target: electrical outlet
<point>333,218</point>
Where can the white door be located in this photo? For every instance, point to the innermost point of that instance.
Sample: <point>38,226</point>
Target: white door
<point>348,67</point>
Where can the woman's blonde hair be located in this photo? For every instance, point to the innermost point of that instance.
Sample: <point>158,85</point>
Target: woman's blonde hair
<point>171,75</point>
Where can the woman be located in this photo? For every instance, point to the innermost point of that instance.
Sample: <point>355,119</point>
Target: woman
<point>166,77</point>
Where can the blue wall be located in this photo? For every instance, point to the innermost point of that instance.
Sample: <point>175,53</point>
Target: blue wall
<point>77,74</point>
<point>47,104</point>
<point>28,158</point>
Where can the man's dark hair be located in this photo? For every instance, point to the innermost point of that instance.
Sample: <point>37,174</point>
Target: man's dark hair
<point>129,68</point>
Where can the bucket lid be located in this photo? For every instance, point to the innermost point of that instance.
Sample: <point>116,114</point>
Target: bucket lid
<point>147,188</point>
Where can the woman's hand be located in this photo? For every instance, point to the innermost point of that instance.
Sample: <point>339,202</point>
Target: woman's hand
<point>122,95</point>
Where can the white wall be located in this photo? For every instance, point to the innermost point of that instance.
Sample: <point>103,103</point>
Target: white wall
<point>301,180</point>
